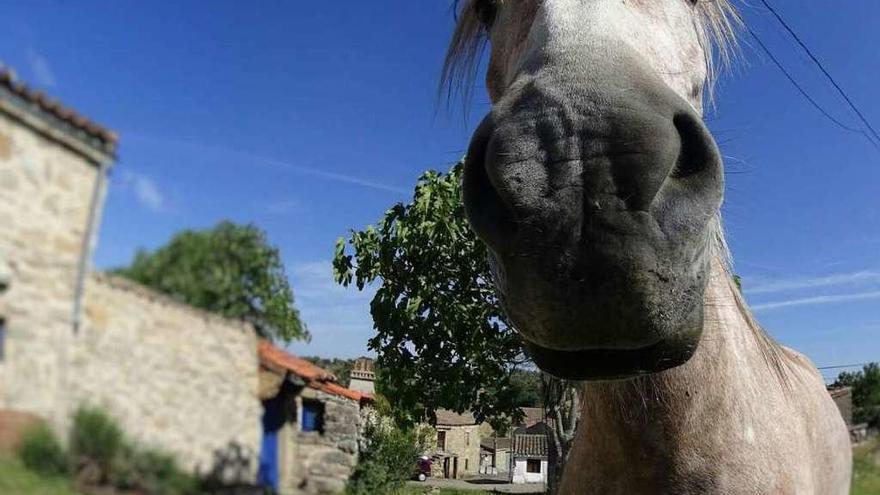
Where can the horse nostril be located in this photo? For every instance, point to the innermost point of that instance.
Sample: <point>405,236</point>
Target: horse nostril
<point>483,205</point>
<point>698,152</point>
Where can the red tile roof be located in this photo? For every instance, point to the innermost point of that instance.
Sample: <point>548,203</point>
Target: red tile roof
<point>276,359</point>
<point>317,378</point>
<point>55,108</point>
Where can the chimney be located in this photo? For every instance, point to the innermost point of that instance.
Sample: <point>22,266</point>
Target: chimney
<point>362,376</point>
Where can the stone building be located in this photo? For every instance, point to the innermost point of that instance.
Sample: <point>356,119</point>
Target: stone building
<point>457,448</point>
<point>495,455</point>
<point>310,425</point>
<point>72,337</point>
<point>529,458</point>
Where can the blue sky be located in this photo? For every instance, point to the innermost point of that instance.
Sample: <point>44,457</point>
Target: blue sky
<point>310,118</point>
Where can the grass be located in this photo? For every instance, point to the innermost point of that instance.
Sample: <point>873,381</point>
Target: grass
<point>15,479</point>
<point>413,489</point>
<point>866,468</point>
<point>424,490</point>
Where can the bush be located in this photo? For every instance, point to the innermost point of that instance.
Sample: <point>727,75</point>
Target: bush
<point>95,439</point>
<point>103,457</point>
<point>41,452</point>
<point>150,471</point>
<point>388,458</point>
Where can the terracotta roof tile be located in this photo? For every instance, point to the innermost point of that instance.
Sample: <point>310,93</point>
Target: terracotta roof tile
<point>529,446</point>
<point>274,358</point>
<point>55,108</point>
<point>315,377</point>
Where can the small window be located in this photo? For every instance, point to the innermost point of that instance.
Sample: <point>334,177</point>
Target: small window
<point>441,440</point>
<point>466,464</point>
<point>313,416</point>
<point>533,466</point>
<point>467,438</point>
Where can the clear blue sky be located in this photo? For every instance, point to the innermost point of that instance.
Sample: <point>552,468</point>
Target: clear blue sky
<point>310,118</point>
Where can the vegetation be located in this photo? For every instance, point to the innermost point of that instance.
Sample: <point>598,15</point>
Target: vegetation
<point>388,457</point>
<point>95,444</point>
<point>100,457</point>
<point>527,386</point>
<point>231,270</point>
<point>865,386</point>
<point>338,366</point>
<point>866,468</point>
<point>17,479</point>
<point>441,337</point>
<point>41,452</point>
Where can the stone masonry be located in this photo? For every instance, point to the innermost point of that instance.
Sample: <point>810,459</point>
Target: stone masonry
<point>322,463</point>
<point>45,191</point>
<point>175,377</point>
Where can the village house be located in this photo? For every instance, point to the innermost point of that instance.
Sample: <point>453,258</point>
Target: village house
<point>495,455</point>
<point>457,447</point>
<point>310,425</point>
<point>70,336</point>
<point>529,458</point>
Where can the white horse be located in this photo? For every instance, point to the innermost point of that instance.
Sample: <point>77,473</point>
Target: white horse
<point>597,188</point>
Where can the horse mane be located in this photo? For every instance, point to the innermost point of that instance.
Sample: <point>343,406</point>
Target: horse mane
<point>773,353</point>
<point>717,22</point>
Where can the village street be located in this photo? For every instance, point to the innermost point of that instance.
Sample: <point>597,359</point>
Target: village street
<point>487,484</point>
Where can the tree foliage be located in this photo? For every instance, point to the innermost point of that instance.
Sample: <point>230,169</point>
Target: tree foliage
<point>441,338</point>
<point>229,269</point>
<point>865,386</point>
<point>340,367</point>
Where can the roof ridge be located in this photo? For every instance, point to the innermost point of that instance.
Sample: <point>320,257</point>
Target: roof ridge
<point>52,106</point>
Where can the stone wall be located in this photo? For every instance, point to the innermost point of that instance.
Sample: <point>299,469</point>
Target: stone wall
<point>321,463</point>
<point>45,196</point>
<point>463,441</point>
<point>176,377</point>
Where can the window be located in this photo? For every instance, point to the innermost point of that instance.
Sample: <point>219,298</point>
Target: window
<point>466,464</point>
<point>313,416</point>
<point>441,440</point>
<point>467,438</point>
<point>533,465</point>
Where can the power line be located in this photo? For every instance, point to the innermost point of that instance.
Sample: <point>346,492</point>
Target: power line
<point>842,366</point>
<point>822,68</point>
<point>804,93</point>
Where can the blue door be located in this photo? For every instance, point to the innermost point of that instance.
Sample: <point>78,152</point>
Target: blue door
<point>273,420</point>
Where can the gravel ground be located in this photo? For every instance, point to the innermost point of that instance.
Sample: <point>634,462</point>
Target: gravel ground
<point>492,485</point>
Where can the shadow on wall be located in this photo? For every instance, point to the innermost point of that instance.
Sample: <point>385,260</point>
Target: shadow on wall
<point>231,472</point>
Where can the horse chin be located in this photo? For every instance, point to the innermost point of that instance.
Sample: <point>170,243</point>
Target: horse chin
<point>614,364</point>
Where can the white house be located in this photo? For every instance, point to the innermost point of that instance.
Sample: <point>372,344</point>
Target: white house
<point>528,457</point>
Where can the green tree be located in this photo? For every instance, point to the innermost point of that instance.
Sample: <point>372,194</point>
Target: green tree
<point>229,269</point>
<point>865,386</point>
<point>528,386</point>
<point>441,339</point>
<point>340,367</point>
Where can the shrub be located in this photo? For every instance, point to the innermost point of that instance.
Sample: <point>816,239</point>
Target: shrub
<point>41,452</point>
<point>150,471</point>
<point>388,458</point>
<point>95,442</point>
